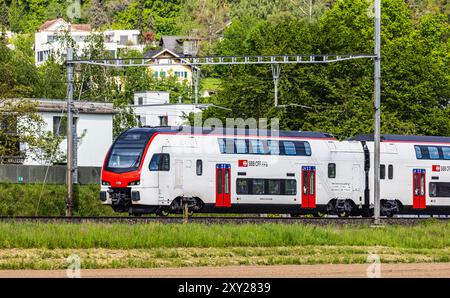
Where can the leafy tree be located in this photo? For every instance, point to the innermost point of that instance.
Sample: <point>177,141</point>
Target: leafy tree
<point>338,97</point>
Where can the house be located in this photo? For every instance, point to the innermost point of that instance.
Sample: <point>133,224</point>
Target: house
<point>173,47</point>
<point>46,38</point>
<point>117,40</point>
<point>153,108</point>
<point>166,56</point>
<point>180,45</point>
<point>94,127</point>
<point>47,41</point>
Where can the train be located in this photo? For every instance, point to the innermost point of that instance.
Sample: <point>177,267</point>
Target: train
<point>165,170</point>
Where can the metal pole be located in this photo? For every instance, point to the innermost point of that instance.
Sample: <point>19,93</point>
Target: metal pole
<point>69,199</point>
<point>276,77</point>
<point>377,95</point>
<point>196,75</point>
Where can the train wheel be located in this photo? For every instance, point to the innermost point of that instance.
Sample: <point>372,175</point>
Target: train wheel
<point>343,214</point>
<point>320,214</point>
<point>162,212</point>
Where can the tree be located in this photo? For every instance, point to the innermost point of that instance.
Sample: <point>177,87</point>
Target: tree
<point>415,72</point>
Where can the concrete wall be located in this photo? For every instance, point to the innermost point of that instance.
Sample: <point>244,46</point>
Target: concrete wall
<point>55,174</point>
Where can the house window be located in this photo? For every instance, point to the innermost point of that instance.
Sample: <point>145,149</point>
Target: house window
<point>43,55</point>
<point>163,120</point>
<point>140,101</point>
<point>123,39</point>
<point>60,125</point>
<point>162,74</point>
<point>51,38</point>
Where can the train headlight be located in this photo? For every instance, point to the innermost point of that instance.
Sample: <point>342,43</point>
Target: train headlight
<point>137,182</point>
<point>105,182</point>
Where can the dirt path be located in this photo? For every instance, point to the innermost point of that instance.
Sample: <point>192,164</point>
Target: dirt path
<point>328,270</point>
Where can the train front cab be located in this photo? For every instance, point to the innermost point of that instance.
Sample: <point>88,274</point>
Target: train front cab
<point>129,179</point>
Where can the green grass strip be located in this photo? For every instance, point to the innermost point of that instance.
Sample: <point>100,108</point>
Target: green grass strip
<point>429,235</point>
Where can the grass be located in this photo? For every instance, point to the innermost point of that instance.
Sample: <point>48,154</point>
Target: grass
<point>46,246</point>
<point>36,199</point>
<point>211,84</point>
<point>154,235</point>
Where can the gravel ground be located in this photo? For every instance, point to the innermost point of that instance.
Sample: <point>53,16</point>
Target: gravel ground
<point>327,270</point>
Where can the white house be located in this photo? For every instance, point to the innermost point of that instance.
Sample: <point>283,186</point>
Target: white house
<point>116,40</point>
<point>94,127</point>
<point>47,41</point>
<point>153,108</point>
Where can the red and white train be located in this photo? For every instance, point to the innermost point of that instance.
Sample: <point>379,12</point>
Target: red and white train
<point>159,169</point>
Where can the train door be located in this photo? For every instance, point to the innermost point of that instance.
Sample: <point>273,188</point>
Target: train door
<point>419,192</point>
<point>223,185</point>
<point>308,187</point>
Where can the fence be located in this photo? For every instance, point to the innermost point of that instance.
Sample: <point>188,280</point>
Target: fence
<point>55,174</point>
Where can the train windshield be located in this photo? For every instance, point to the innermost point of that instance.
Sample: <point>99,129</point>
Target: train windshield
<point>126,153</point>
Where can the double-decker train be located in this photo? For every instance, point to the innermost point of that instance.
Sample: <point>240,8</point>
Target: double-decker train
<point>165,169</point>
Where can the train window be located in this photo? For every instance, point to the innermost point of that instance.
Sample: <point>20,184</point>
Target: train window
<point>440,189</point>
<point>226,146</point>
<point>422,185</point>
<point>418,152</point>
<point>242,186</point>
<point>434,152</point>
<point>249,186</point>
<point>382,171</point>
<point>227,182</point>
<point>160,162</point>
<point>269,147</point>
<point>257,147</point>
<point>274,187</point>
<point>311,183</point>
<point>258,186</point>
<point>290,187</point>
<point>305,182</point>
<point>307,148</point>
<point>199,167</point>
<point>221,145</point>
<point>273,147</point>
<point>446,152</point>
<point>219,182</point>
<point>331,170</point>
<point>241,146</point>
<point>289,148</point>
<point>391,172</point>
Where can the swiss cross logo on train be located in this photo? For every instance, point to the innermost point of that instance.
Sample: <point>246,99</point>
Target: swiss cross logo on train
<point>436,168</point>
<point>252,163</point>
<point>243,163</point>
<point>439,168</point>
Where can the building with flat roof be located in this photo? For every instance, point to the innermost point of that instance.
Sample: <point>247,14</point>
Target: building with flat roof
<point>93,124</point>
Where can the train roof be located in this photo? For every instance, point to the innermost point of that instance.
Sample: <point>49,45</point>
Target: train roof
<point>236,131</point>
<point>402,138</point>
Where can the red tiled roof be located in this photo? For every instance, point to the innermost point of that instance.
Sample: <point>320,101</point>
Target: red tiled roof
<point>80,27</point>
<point>48,23</point>
<point>73,27</point>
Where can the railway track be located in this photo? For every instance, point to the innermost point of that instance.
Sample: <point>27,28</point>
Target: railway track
<point>220,220</point>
